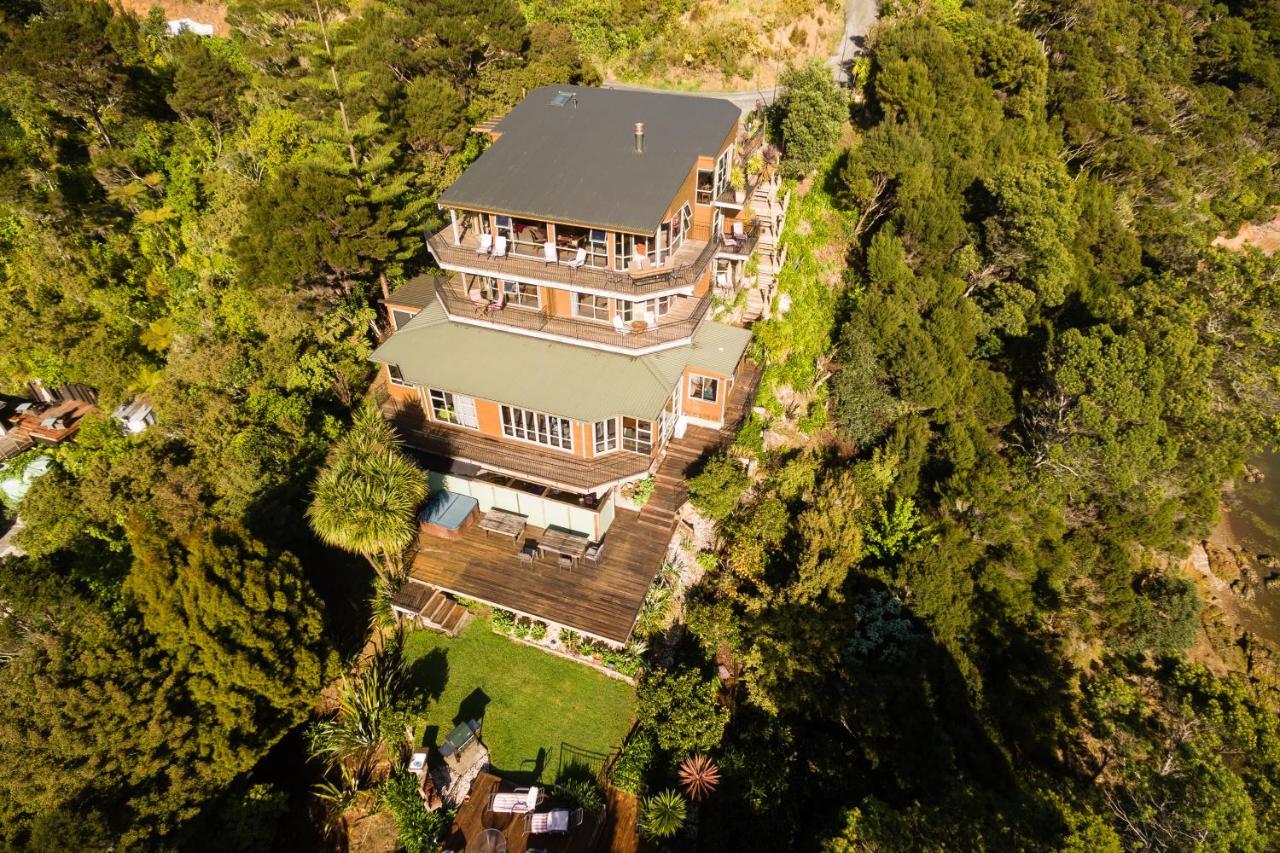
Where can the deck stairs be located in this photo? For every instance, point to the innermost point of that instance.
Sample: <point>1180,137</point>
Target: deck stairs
<point>432,607</point>
<point>770,205</point>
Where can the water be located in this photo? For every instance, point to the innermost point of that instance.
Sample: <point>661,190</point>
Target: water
<point>1251,523</point>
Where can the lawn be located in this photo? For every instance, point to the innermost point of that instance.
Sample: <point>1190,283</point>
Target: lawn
<point>536,710</point>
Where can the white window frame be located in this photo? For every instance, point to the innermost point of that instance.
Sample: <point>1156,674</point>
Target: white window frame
<point>520,424</point>
<point>504,226</point>
<point>723,165</point>
<point>703,380</point>
<point>515,294</point>
<point>697,193</point>
<point>660,306</point>
<point>642,427</point>
<point>396,376</point>
<point>604,435</point>
<point>448,402</point>
<point>594,315</point>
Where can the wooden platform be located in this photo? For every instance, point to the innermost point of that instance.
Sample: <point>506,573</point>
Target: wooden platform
<point>474,817</point>
<point>601,598</point>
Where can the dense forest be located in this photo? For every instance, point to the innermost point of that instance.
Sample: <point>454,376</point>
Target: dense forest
<point>1008,381</point>
<point>955,599</point>
<point>208,222</point>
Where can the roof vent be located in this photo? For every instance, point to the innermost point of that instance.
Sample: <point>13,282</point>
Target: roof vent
<point>639,137</point>
<point>563,98</point>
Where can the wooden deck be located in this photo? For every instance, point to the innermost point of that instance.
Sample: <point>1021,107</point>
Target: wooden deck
<point>474,817</point>
<point>601,598</point>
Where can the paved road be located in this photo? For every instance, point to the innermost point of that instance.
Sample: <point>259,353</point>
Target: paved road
<point>859,16</point>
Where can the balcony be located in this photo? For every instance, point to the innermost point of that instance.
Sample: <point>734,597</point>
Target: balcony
<point>739,248</point>
<point>557,469</point>
<point>674,328</point>
<point>680,271</point>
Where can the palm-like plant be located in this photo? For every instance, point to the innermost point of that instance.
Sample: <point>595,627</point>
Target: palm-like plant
<point>662,815</point>
<point>699,776</point>
<point>365,497</point>
<point>359,733</point>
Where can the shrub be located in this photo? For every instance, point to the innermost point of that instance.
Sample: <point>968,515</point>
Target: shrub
<point>642,491</point>
<point>708,560</point>
<point>807,117</point>
<point>571,640</point>
<point>504,621</point>
<point>633,764</point>
<point>716,490</point>
<point>417,828</point>
<point>682,710</point>
<point>538,632</point>
<point>577,784</point>
<point>662,815</point>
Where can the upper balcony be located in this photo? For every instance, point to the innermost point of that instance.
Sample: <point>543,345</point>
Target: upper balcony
<point>675,327</point>
<point>526,260</point>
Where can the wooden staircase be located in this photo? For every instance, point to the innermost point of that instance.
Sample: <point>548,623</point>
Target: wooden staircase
<point>431,606</point>
<point>772,214</point>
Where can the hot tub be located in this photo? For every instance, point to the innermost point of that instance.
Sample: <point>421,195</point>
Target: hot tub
<point>448,514</point>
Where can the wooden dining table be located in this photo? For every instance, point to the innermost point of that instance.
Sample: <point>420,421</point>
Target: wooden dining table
<point>570,543</point>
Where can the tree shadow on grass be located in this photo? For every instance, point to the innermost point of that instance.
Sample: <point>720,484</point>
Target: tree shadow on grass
<point>529,772</point>
<point>472,707</point>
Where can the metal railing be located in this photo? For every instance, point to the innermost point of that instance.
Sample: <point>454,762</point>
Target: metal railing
<point>629,283</point>
<point>745,245</point>
<point>457,305</point>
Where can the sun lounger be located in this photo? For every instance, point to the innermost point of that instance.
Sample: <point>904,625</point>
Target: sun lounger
<point>517,802</point>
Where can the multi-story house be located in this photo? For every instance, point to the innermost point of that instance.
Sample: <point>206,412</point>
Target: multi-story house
<point>567,349</point>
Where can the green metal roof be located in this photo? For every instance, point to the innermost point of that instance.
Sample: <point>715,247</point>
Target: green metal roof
<point>573,158</point>
<point>418,292</point>
<point>560,379</point>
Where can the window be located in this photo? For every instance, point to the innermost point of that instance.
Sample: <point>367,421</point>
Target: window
<point>453,408</point>
<point>529,237</point>
<point>606,436</point>
<point>678,227</point>
<point>591,307</point>
<point>706,186</point>
<point>571,238</point>
<point>637,435</point>
<point>658,307</point>
<point>523,295</point>
<point>537,427</point>
<point>399,317</point>
<point>722,172</point>
<point>397,378</point>
<point>504,227</point>
<point>703,388</point>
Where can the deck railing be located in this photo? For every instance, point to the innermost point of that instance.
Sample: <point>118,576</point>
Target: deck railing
<point>628,283</point>
<point>745,245</point>
<point>586,331</point>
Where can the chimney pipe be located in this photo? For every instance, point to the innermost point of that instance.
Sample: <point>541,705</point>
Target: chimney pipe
<point>639,137</point>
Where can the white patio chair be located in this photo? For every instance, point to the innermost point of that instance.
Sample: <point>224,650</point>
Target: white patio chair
<point>579,258</point>
<point>517,802</point>
<point>486,244</point>
<point>556,820</point>
<point>650,321</point>
<point>500,247</point>
<point>619,325</point>
<point>549,254</point>
<point>739,232</point>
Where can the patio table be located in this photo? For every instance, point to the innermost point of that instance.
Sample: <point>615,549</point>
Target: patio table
<point>504,523</point>
<point>568,542</point>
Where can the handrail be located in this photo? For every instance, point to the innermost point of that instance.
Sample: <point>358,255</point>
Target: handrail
<point>629,283</point>
<point>457,305</point>
<point>750,237</point>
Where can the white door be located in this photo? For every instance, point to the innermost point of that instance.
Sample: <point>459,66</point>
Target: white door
<point>466,409</point>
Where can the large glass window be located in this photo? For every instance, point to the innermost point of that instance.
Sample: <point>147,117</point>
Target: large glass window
<point>530,236</point>
<point>637,435</point>
<point>606,436</point>
<point>453,408</point>
<point>591,307</point>
<point>722,172</point>
<point>703,388</point>
<point>657,307</point>
<point>594,241</point>
<point>521,294</point>
<point>706,186</point>
<point>537,427</point>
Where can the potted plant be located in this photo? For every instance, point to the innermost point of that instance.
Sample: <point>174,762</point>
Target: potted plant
<point>738,180</point>
<point>755,166</point>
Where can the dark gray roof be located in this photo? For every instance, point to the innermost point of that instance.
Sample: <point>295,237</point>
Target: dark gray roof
<point>579,164</point>
<point>417,292</point>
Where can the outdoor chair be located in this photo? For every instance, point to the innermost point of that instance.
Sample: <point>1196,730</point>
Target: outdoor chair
<point>739,232</point>
<point>594,550</point>
<point>486,244</point>
<point>549,253</point>
<point>529,552</point>
<point>579,258</point>
<point>650,321</point>
<point>566,562</point>
<point>500,247</point>
<point>639,263</point>
<point>519,801</point>
<point>619,326</point>
<point>556,820</point>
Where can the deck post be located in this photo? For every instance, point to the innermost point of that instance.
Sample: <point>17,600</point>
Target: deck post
<point>453,220</point>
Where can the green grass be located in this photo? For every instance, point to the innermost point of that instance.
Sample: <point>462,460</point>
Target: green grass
<point>536,709</point>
